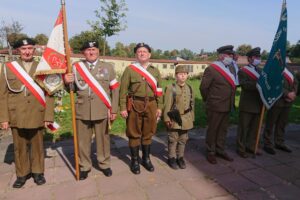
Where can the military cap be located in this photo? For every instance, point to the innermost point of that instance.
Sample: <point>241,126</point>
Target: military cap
<point>23,42</point>
<point>228,49</point>
<point>254,52</point>
<point>181,69</point>
<point>89,44</point>
<point>142,44</point>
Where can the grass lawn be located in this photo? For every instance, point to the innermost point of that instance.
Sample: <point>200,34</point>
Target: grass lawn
<point>118,127</point>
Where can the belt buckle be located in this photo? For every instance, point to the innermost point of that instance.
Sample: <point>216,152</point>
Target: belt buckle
<point>146,99</point>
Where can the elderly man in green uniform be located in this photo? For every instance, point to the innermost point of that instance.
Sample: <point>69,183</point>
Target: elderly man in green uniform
<point>277,116</point>
<point>179,104</point>
<point>218,91</point>
<point>141,104</point>
<point>26,110</point>
<point>96,106</point>
<point>250,104</point>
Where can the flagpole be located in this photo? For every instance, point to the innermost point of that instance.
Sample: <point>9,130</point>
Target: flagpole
<point>67,48</point>
<point>259,129</point>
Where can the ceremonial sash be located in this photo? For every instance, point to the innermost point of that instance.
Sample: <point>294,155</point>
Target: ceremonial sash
<point>32,86</point>
<point>113,84</point>
<point>288,76</point>
<point>225,73</point>
<point>149,78</point>
<point>251,72</point>
<point>93,83</point>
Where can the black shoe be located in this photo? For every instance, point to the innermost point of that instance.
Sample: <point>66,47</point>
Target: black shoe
<point>135,165</point>
<point>107,172</point>
<point>258,152</point>
<point>242,154</point>
<point>283,147</point>
<point>146,162</point>
<point>21,181</point>
<point>225,156</point>
<point>211,158</point>
<point>181,163</point>
<point>39,179</point>
<point>83,175</point>
<point>270,150</point>
<point>172,163</point>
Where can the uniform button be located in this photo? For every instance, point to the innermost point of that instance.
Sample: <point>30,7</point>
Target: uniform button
<point>28,101</point>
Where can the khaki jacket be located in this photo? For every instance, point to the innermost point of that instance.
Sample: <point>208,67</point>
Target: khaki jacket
<point>183,100</point>
<point>88,105</point>
<point>133,82</point>
<point>22,109</point>
<point>217,93</point>
<point>250,100</point>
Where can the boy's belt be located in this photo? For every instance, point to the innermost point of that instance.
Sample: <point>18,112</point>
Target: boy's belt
<point>143,98</point>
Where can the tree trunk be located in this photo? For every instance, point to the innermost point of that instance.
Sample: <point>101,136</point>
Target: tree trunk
<point>104,45</point>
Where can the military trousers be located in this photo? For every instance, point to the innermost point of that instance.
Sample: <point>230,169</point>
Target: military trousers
<point>247,130</point>
<point>276,121</point>
<point>28,151</point>
<point>216,131</point>
<point>141,126</point>
<point>86,129</point>
<point>176,143</point>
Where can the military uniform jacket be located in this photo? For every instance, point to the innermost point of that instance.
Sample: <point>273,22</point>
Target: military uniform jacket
<point>250,100</point>
<point>183,100</point>
<point>21,108</point>
<point>88,105</point>
<point>281,102</point>
<point>217,93</point>
<point>133,83</point>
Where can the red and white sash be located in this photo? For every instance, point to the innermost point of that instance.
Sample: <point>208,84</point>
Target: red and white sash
<point>113,84</point>
<point>150,79</point>
<point>32,86</point>
<point>251,72</point>
<point>93,83</point>
<point>220,67</point>
<point>288,76</point>
<point>27,81</point>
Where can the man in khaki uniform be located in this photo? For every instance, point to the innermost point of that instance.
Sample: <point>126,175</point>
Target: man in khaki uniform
<point>277,116</point>
<point>92,114</point>
<point>140,89</point>
<point>250,104</point>
<point>179,96</point>
<point>25,115</point>
<point>218,91</point>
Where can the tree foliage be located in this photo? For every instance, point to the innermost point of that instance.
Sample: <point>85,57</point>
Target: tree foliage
<point>41,39</point>
<point>243,49</point>
<point>11,32</point>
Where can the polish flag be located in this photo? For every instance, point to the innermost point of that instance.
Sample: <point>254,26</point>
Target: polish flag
<point>53,126</point>
<point>53,60</point>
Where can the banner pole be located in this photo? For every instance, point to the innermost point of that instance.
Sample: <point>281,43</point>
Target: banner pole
<point>67,49</point>
<point>259,129</point>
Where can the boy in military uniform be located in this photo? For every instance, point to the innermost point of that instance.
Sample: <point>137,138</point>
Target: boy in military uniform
<point>277,116</point>
<point>96,105</point>
<point>250,104</point>
<point>178,96</point>
<point>26,110</point>
<point>141,105</point>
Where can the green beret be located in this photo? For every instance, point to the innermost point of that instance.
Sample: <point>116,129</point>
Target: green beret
<point>254,52</point>
<point>181,69</point>
<point>228,49</point>
<point>89,44</point>
<point>139,45</point>
<point>23,42</point>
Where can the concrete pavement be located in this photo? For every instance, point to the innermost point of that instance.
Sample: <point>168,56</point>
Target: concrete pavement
<point>265,177</point>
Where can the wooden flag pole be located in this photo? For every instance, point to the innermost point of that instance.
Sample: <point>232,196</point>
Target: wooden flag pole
<point>259,128</point>
<point>67,48</point>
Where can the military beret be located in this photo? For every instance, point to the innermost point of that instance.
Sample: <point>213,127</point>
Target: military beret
<point>228,49</point>
<point>254,52</point>
<point>181,69</point>
<point>139,45</point>
<point>23,42</point>
<point>89,44</point>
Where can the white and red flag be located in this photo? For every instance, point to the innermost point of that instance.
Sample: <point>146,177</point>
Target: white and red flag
<point>53,61</point>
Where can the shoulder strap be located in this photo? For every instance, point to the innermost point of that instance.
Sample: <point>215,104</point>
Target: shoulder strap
<point>191,99</point>
<point>174,96</point>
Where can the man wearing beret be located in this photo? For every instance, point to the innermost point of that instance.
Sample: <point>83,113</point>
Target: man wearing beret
<point>26,110</point>
<point>141,105</point>
<point>277,116</point>
<point>179,96</point>
<point>96,107</point>
<point>250,104</point>
<point>218,91</point>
